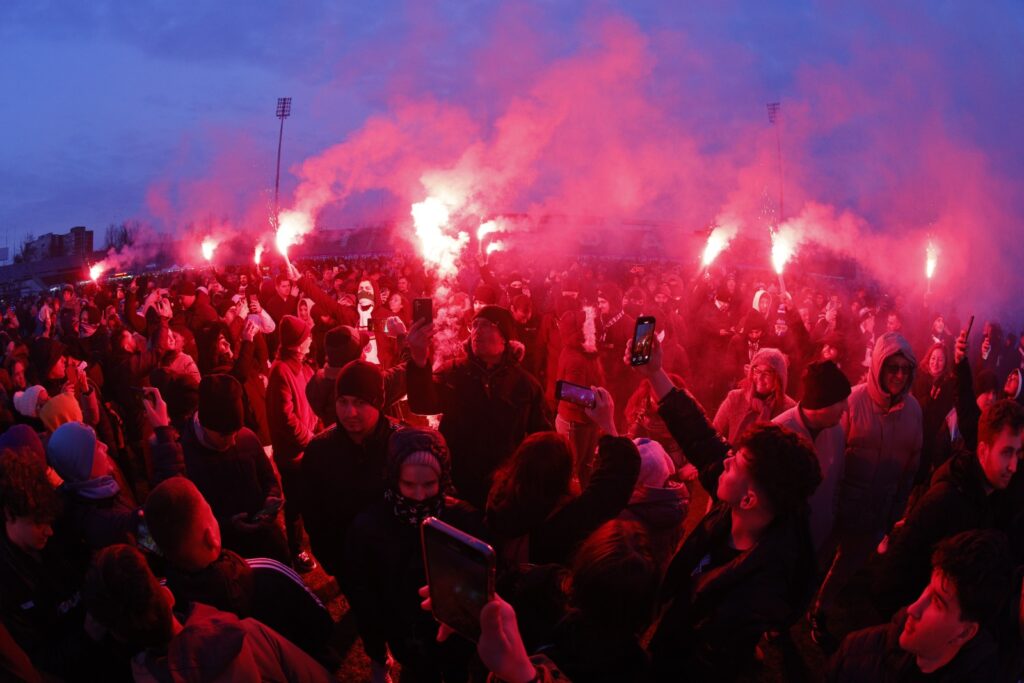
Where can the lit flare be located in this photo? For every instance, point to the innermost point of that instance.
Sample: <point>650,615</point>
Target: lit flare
<point>259,253</point>
<point>431,217</point>
<point>95,270</point>
<point>209,246</point>
<point>783,248</point>
<point>932,259</point>
<point>292,226</point>
<point>718,240</point>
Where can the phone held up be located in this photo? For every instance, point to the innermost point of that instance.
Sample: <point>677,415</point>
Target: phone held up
<point>423,309</point>
<point>643,340</point>
<point>460,574</point>
<point>575,393</point>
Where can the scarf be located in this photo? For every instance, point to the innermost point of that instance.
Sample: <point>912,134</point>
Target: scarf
<point>413,512</point>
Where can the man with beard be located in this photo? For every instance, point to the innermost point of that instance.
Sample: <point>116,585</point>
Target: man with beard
<point>279,302</point>
<point>489,402</point>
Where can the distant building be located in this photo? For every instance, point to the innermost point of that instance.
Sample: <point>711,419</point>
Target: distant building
<point>78,242</point>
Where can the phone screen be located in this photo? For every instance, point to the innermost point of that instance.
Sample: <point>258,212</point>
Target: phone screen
<point>643,340</point>
<point>423,309</point>
<point>574,393</point>
<point>460,573</point>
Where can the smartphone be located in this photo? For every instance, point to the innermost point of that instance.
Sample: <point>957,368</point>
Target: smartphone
<point>266,513</point>
<point>575,393</point>
<point>423,309</point>
<point>643,340</point>
<point>143,538</point>
<point>970,324</point>
<point>460,574</point>
<point>252,307</point>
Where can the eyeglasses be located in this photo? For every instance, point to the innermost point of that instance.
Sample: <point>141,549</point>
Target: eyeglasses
<point>898,368</point>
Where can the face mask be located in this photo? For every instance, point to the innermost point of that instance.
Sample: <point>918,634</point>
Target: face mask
<point>413,512</point>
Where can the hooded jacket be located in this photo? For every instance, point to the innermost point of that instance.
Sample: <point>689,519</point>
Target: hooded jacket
<point>289,415</point>
<point>487,413</point>
<point>218,646</point>
<point>741,408</point>
<point>883,447</point>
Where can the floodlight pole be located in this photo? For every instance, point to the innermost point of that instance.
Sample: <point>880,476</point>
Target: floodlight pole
<point>773,118</point>
<point>284,109</point>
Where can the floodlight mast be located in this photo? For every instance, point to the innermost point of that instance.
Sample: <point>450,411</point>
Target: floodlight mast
<point>284,110</point>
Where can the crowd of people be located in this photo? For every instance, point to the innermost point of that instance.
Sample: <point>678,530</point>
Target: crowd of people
<point>178,450</point>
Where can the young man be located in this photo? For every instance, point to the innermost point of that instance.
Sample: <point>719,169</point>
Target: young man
<point>959,498</point>
<point>343,469</point>
<point>942,636</point>
<point>197,642</point>
<point>748,566</point>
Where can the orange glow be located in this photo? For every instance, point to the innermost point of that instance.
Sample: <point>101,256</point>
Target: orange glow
<point>95,270</point>
<point>932,259</point>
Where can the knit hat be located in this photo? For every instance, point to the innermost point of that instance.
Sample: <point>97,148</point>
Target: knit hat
<point>293,332</point>
<point>362,380</point>
<point>187,289</point>
<point>824,385</point>
<point>44,354</point>
<point>723,294</point>
<point>58,410</point>
<point>501,317</point>
<point>774,359</point>
<point>419,446</point>
<point>27,402</point>
<point>655,464</point>
<point>344,344</point>
<point>753,320</point>
<point>220,404</point>
<point>70,452</point>
<point>486,295</point>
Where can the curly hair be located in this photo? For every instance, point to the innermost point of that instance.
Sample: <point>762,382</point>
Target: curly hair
<point>783,464</point>
<point>535,478</point>
<point>978,565</point>
<point>24,488</point>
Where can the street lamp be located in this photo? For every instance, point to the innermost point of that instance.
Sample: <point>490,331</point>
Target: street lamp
<point>284,110</point>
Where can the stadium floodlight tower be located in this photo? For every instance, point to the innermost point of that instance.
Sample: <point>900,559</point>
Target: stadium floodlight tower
<point>284,110</point>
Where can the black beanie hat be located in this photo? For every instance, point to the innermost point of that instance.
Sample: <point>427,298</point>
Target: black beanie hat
<point>361,380</point>
<point>501,317</point>
<point>220,404</point>
<point>344,344</point>
<point>824,385</point>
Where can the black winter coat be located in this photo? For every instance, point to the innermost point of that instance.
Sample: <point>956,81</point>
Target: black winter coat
<point>956,501</point>
<point>715,619</point>
<point>873,655</point>
<point>340,480</point>
<point>487,413</point>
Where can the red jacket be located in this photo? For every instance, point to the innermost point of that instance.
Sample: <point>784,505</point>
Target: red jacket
<point>289,414</point>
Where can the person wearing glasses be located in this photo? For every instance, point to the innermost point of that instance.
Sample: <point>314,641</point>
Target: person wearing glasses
<point>883,448</point>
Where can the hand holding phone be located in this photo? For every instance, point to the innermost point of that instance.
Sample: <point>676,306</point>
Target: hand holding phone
<point>423,309</point>
<point>643,341</point>
<point>460,576</point>
<point>575,393</point>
